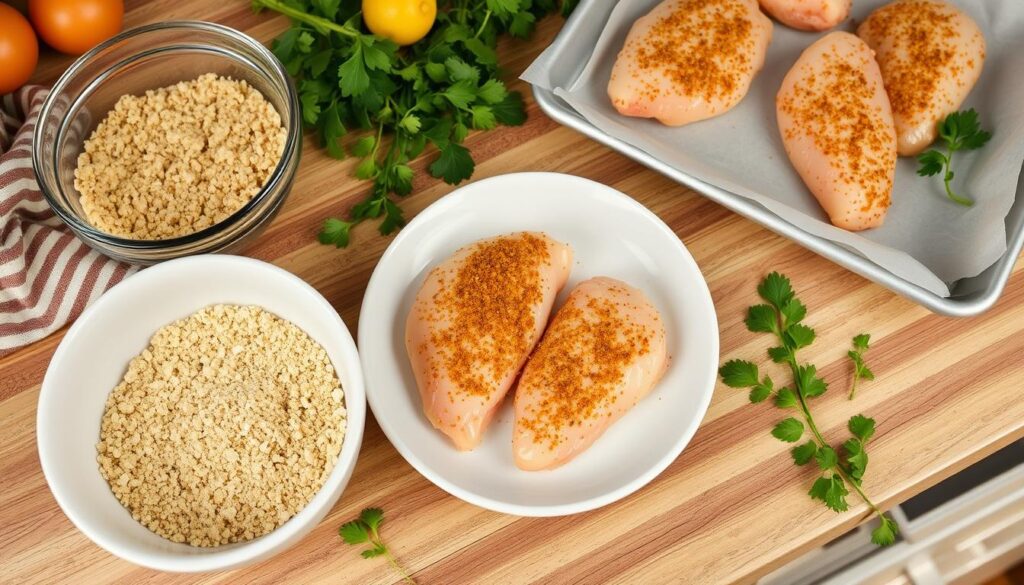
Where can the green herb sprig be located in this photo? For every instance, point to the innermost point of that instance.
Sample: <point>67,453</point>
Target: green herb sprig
<point>366,529</point>
<point>960,131</point>
<point>402,100</point>
<point>861,371</point>
<point>841,469</point>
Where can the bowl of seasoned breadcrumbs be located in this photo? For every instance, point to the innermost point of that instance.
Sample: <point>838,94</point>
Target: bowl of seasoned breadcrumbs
<point>203,414</point>
<point>168,140</point>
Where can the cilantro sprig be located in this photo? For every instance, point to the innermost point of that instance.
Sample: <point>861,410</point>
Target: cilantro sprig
<point>366,529</point>
<point>840,470</point>
<point>401,101</point>
<point>960,131</point>
<point>861,371</point>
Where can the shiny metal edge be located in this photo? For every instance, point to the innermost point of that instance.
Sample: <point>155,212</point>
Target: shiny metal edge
<point>968,297</point>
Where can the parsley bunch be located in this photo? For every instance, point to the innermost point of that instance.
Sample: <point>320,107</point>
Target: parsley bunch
<point>366,528</point>
<point>960,131</point>
<point>782,316</point>
<point>401,99</point>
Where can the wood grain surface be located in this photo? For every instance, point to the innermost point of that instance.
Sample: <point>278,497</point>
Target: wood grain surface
<point>731,508</point>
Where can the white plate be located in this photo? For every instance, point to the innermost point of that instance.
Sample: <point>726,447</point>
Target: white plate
<point>611,235</point>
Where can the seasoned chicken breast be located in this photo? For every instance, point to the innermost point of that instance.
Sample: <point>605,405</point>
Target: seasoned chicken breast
<point>838,130</point>
<point>688,60</point>
<point>603,352</point>
<point>808,14</point>
<point>473,323</point>
<point>931,55</point>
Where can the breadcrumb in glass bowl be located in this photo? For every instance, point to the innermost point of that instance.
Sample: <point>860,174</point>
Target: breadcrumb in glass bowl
<point>143,60</point>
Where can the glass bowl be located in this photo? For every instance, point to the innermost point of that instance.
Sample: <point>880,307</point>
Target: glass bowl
<point>150,57</point>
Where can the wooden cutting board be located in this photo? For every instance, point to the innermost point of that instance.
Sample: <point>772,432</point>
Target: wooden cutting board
<point>731,508</point>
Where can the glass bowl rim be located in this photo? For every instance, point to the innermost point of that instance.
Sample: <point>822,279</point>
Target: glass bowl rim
<point>277,177</point>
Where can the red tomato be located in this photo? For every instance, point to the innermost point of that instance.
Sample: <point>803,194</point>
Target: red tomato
<point>75,26</point>
<point>19,49</point>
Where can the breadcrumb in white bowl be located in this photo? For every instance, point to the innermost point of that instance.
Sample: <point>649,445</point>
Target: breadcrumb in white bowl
<point>94,357</point>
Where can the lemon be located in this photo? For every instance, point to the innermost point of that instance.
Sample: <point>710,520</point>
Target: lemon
<point>402,21</point>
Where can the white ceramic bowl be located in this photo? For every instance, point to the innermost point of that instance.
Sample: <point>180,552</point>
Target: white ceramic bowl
<point>93,357</point>
<point>611,235</point>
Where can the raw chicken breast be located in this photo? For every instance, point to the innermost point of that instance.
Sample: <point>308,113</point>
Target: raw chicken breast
<point>838,130</point>
<point>688,60</point>
<point>930,55</point>
<point>808,14</point>
<point>473,323</point>
<point>603,352</point>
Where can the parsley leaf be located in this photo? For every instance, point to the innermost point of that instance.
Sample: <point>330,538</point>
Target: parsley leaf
<point>789,430</point>
<point>366,528</point>
<point>762,390</point>
<point>809,383</point>
<point>335,231</point>
<point>738,373</point>
<point>885,533</point>
<point>960,131</point>
<point>492,91</point>
<point>510,111</point>
<point>804,453</point>
<point>352,76</point>
<point>332,130</point>
<point>862,427</point>
<point>364,146</point>
<point>372,517</point>
<point>354,532</point>
<point>856,459</point>
<point>798,336</point>
<point>794,311</point>
<point>781,354</point>
<point>743,374</point>
<point>454,164</point>
<point>483,117</point>
<point>831,490</point>
<point>761,319</point>
<point>785,398</point>
<point>826,458</point>
<point>860,342</point>
<point>460,94</point>
<point>459,70</point>
<point>776,289</point>
<point>932,163</point>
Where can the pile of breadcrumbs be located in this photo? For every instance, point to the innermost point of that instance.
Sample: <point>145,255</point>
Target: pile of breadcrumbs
<point>223,428</point>
<point>178,159</point>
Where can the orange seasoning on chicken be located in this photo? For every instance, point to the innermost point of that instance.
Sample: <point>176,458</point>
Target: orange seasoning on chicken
<point>473,324</point>
<point>603,352</point>
<point>837,128</point>
<point>688,60</point>
<point>930,54</point>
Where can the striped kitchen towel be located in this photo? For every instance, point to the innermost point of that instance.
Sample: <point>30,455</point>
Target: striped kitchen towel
<point>47,275</point>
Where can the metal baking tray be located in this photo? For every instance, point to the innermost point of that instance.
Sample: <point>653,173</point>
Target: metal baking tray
<point>969,296</point>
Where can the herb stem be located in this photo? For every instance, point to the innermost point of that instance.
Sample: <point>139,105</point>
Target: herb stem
<point>947,177</point>
<point>483,25</point>
<point>376,143</point>
<point>398,567</point>
<point>853,384</point>
<point>806,412</point>
<point>822,443</point>
<point>794,369</point>
<point>376,540</point>
<point>316,22</point>
<point>860,492</point>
